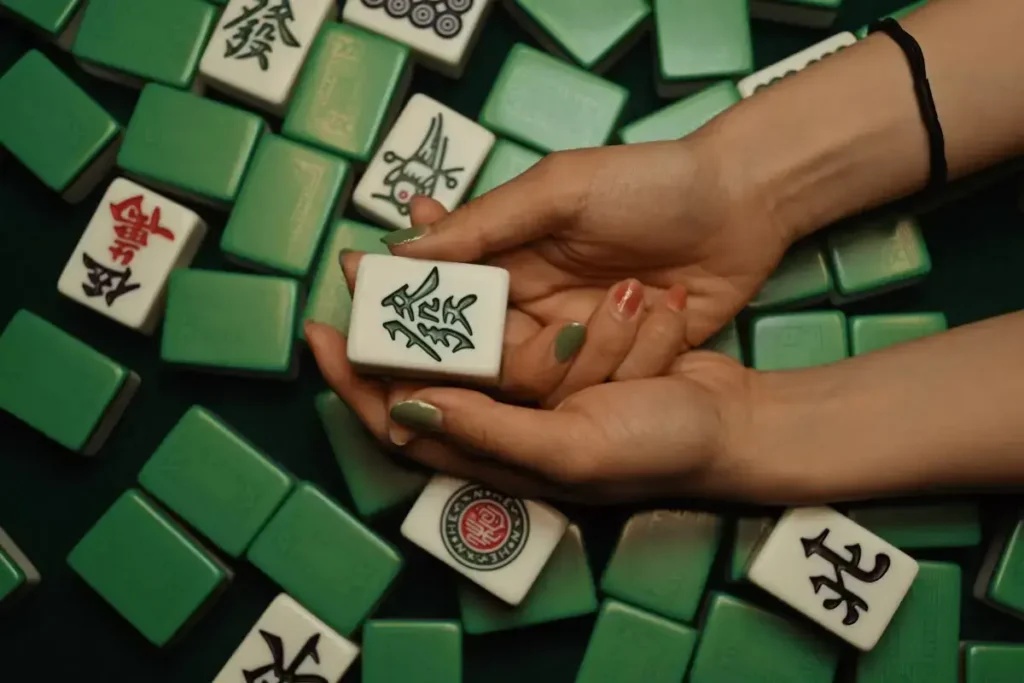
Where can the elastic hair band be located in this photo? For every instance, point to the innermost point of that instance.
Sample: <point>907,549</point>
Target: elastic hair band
<point>939,170</point>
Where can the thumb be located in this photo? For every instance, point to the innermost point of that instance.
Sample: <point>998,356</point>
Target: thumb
<point>517,212</point>
<point>549,443</point>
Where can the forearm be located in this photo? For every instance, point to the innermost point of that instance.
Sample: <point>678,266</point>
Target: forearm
<point>940,413</point>
<point>846,135</point>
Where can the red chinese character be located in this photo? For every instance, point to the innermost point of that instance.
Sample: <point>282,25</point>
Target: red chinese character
<point>133,228</point>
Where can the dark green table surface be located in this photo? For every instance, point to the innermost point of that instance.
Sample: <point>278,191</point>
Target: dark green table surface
<point>49,497</point>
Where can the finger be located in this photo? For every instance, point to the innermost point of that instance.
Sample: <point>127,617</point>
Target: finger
<point>365,396</point>
<point>349,262</point>
<point>517,212</point>
<point>610,335</point>
<point>397,393</point>
<point>534,367</point>
<point>660,339</point>
<point>426,210</point>
<point>547,443</point>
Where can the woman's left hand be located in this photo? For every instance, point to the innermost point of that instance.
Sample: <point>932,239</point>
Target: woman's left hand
<point>684,433</point>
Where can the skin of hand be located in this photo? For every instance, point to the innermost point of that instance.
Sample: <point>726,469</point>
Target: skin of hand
<point>715,213</point>
<point>629,334</point>
<point>613,442</point>
<point>581,221</point>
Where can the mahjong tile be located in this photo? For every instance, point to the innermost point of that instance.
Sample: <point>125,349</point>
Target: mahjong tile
<point>743,643</point>
<point>59,385</point>
<point>799,340</point>
<point>595,35</point>
<point>499,542</point>
<point>873,332</point>
<point>222,321</point>
<point>922,643</point>
<point>549,105</point>
<point>877,256</point>
<point>58,20</point>
<point>149,568</point>
<point>350,91</point>
<point>794,63</point>
<point>428,319</point>
<point>289,644</point>
<point>992,662</point>
<point>630,644</point>
<point>802,278</point>
<point>506,162</point>
<point>289,195</point>
<point>683,117</point>
<point>412,650</point>
<point>441,32</point>
<point>321,554</point>
<point>835,572</point>
<point>18,575</point>
<point>699,42</point>
<point>431,151</point>
<point>809,13</point>
<point>53,127</point>
<point>128,250</point>
<point>193,147</point>
<point>134,42</point>
<point>259,47</point>
<point>1000,581</point>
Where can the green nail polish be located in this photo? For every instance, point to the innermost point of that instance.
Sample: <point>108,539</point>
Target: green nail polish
<point>417,415</point>
<point>569,341</point>
<point>403,236</point>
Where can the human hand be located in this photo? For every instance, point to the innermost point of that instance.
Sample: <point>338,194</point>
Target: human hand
<point>686,433</point>
<point>544,361</point>
<point>578,222</point>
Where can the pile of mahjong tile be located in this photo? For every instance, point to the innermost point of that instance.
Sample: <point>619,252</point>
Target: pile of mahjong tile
<point>212,73</point>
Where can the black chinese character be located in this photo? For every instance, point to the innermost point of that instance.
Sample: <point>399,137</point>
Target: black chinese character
<point>419,173</point>
<point>816,546</point>
<point>257,29</point>
<point>277,672</point>
<point>107,282</point>
<point>409,306</point>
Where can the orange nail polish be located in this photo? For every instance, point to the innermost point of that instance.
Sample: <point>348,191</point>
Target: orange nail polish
<point>629,296</point>
<point>676,298</point>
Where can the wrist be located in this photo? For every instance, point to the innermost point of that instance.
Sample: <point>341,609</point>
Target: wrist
<point>828,142</point>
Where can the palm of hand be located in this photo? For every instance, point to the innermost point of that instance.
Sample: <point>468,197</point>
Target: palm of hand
<point>605,229</point>
<point>669,426</point>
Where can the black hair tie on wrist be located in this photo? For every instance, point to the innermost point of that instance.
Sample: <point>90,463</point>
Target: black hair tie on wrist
<point>939,170</point>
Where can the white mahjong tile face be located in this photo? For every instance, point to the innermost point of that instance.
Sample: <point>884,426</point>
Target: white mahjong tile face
<point>442,32</point>
<point>499,542</point>
<point>834,571</point>
<point>428,318</point>
<point>289,644</point>
<point>259,47</point>
<point>431,151</point>
<point>122,262</point>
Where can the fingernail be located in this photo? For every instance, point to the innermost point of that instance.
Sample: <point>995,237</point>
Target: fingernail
<point>403,236</point>
<point>341,256</point>
<point>417,415</point>
<point>400,436</point>
<point>569,340</point>
<point>628,298</point>
<point>675,299</point>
